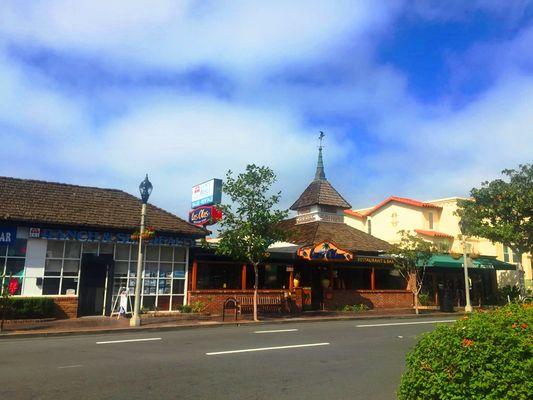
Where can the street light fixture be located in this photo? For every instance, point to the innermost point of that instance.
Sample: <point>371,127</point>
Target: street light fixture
<point>145,188</point>
<point>468,306</point>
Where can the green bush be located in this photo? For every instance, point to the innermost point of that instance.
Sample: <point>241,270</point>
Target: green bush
<point>423,299</point>
<point>356,308</point>
<point>185,309</point>
<point>30,307</point>
<point>486,355</point>
<point>198,306</point>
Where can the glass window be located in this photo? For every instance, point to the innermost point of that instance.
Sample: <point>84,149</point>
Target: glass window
<point>177,301</point>
<point>52,268</point>
<point>17,249</point>
<point>15,267</point>
<point>150,269</point>
<point>149,303</point>
<point>90,248</point>
<point>54,249</point>
<point>163,286</point>
<point>178,286</point>
<point>3,249</point>
<point>69,286</point>
<point>179,270</point>
<point>179,254</point>
<point>165,270</point>
<point>106,248</point>
<point>166,253</point>
<point>71,267</point>
<point>505,253</point>
<point>122,252</point>
<point>516,258</point>
<point>51,286</point>
<point>163,303</point>
<point>152,253</point>
<point>72,249</point>
<point>121,268</point>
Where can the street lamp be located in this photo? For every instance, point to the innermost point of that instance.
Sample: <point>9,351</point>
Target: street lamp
<point>146,189</point>
<point>468,306</point>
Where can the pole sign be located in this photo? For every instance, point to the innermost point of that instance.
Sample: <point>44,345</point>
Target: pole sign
<point>207,193</point>
<point>8,235</point>
<point>205,215</point>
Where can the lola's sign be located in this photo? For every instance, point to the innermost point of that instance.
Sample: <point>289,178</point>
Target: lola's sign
<point>205,215</point>
<point>325,251</point>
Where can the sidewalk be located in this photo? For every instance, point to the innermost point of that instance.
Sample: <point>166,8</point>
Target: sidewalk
<point>99,324</point>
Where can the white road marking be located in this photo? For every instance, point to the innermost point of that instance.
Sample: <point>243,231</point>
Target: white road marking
<point>70,366</point>
<point>406,323</point>
<point>277,331</point>
<point>267,348</point>
<point>129,340</point>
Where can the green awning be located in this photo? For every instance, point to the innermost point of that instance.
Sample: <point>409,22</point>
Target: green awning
<point>480,262</point>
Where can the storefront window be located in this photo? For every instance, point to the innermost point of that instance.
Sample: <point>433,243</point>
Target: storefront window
<point>62,267</point>
<point>219,276</point>
<point>163,283</point>
<point>12,259</point>
<point>389,279</point>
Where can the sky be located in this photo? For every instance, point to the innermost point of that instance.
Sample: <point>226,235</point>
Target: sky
<point>420,99</point>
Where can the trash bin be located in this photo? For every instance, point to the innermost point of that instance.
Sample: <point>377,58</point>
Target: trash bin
<point>446,301</point>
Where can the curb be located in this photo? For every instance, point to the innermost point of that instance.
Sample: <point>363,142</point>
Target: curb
<point>148,328</point>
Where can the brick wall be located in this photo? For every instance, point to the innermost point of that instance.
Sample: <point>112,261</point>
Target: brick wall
<point>372,298</point>
<point>66,307</point>
<point>214,299</point>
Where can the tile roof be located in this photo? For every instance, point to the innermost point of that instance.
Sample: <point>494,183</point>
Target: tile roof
<point>320,192</point>
<point>403,200</point>
<point>433,233</point>
<point>58,204</point>
<point>342,235</point>
<point>354,214</point>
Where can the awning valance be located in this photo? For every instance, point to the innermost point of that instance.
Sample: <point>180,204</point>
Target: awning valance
<point>480,262</point>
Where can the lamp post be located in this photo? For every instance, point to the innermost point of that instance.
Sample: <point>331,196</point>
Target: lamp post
<point>146,189</point>
<point>468,306</point>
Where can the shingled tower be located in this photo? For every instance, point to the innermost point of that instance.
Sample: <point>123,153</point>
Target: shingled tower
<point>320,201</point>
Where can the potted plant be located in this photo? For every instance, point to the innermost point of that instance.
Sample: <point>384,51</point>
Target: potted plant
<point>296,280</point>
<point>149,233</point>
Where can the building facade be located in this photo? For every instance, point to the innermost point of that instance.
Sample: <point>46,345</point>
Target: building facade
<point>434,221</point>
<point>74,244</point>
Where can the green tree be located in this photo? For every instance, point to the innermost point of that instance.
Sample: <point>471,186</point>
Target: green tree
<point>411,256</point>
<point>502,211</point>
<point>250,223</point>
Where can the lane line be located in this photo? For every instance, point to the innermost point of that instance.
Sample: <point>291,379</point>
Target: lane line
<point>406,323</point>
<point>277,331</point>
<point>129,340</point>
<point>70,366</point>
<point>215,353</point>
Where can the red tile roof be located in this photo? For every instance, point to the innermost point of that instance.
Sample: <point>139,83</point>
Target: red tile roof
<point>434,234</point>
<point>354,214</point>
<point>38,202</point>
<point>403,200</point>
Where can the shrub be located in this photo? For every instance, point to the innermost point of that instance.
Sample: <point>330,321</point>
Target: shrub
<point>423,299</point>
<point>356,308</point>
<point>185,309</point>
<point>486,355</point>
<point>198,306</point>
<point>30,307</point>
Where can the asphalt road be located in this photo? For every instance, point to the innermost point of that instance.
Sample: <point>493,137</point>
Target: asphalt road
<point>319,360</point>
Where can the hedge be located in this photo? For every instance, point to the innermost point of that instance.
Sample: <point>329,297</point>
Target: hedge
<point>486,355</point>
<point>30,307</point>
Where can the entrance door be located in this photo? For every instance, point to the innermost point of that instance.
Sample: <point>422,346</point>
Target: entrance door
<point>96,271</point>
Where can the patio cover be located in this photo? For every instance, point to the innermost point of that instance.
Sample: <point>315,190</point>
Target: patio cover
<point>480,262</point>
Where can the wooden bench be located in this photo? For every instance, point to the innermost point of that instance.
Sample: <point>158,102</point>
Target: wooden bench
<point>265,302</point>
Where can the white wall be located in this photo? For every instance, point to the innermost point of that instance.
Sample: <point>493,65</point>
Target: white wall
<point>35,258</point>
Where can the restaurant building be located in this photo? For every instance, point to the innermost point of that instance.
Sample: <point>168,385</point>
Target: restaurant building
<point>73,244</point>
<point>324,263</point>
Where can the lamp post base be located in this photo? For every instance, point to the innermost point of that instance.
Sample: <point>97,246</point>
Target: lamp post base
<point>135,321</point>
<point>468,309</point>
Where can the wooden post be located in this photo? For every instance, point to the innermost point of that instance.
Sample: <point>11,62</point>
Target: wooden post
<point>373,279</point>
<point>435,288</point>
<point>194,274</point>
<point>243,277</point>
<point>330,276</point>
<point>291,279</point>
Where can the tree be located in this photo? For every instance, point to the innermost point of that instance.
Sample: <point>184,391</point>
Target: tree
<point>411,256</point>
<point>502,211</point>
<point>250,223</point>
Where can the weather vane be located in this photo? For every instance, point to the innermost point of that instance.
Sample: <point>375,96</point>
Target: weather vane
<point>320,137</point>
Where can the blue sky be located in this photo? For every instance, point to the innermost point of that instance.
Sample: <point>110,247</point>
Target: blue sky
<point>421,99</point>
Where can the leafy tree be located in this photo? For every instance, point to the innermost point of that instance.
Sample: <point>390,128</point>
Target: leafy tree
<point>250,223</point>
<point>411,256</point>
<point>502,211</point>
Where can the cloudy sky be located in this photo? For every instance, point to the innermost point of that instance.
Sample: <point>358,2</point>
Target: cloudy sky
<point>422,99</point>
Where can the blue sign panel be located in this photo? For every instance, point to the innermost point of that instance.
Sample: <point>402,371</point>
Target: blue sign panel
<point>8,235</point>
<point>207,193</point>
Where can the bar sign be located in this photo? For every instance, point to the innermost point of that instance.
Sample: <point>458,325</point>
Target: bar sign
<point>8,235</point>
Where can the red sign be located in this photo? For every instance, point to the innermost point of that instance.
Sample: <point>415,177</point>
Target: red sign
<point>205,215</point>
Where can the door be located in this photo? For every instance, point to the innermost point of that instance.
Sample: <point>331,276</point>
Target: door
<point>96,273</point>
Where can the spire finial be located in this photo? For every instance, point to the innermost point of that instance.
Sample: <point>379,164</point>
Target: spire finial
<point>320,175</point>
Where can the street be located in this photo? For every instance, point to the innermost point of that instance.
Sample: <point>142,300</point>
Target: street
<point>320,360</point>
